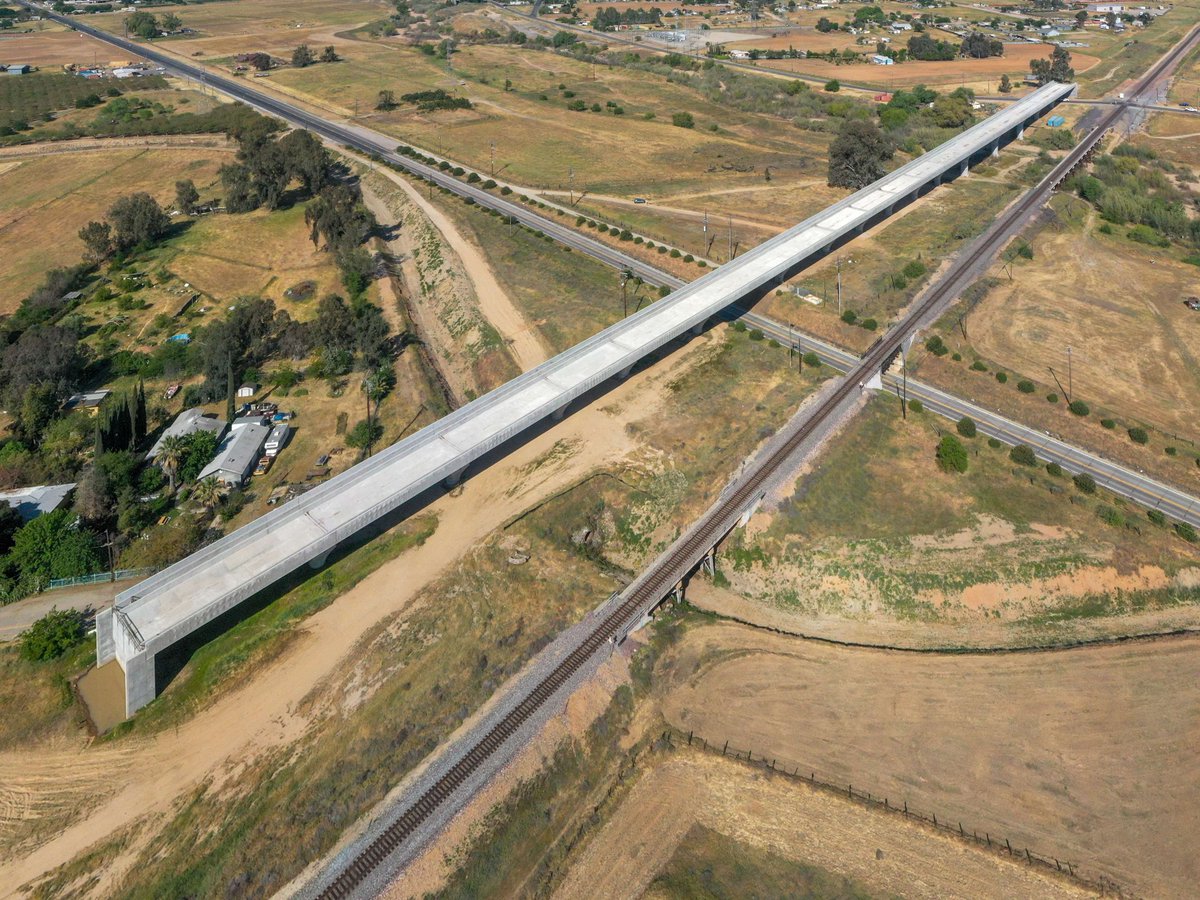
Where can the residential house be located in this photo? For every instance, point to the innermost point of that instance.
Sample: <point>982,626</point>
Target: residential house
<point>189,422</point>
<point>31,502</point>
<point>238,453</point>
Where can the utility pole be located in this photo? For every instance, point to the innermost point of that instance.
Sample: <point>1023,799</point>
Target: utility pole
<point>1070,383</point>
<point>730,257</point>
<point>493,159</point>
<point>571,184</point>
<point>625,274</point>
<point>110,543</point>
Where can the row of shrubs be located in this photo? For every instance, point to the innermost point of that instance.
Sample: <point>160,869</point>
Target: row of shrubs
<point>1137,434</point>
<point>952,457</point>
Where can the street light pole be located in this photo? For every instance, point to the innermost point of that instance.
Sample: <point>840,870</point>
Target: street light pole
<point>1070,383</point>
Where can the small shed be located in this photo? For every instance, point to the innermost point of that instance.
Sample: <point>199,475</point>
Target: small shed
<point>19,69</point>
<point>878,59</point>
<point>89,400</point>
<point>247,390</point>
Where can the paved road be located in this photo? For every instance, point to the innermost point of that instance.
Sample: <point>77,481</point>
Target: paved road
<point>16,617</point>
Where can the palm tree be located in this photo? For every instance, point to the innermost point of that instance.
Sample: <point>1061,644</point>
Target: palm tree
<point>170,455</point>
<point>208,493</point>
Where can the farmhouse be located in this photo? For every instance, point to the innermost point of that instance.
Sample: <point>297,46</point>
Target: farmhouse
<point>188,422</point>
<point>238,452</point>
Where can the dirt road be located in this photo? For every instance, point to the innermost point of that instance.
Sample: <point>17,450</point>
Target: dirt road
<point>1087,755</point>
<point>521,336</point>
<point>16,617</point>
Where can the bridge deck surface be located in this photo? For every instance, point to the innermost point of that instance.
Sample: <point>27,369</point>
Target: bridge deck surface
<point>173,602</point>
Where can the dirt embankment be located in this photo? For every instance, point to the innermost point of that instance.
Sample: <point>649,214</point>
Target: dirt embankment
<point>1086,754</point>
<point>440,296</point>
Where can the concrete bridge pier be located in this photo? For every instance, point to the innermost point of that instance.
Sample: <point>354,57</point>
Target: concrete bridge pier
<point>455,478</point>
<point>139,681</point>
<point>995,149</point>
<point>624,373</point>
<point>558,414</point>
<point>1021,133</point>
<point>966,170</point>
<point>709,562</point>
<point>318,562</point>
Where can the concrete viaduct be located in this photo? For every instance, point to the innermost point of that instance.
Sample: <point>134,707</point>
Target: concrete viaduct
<point>172,604</point>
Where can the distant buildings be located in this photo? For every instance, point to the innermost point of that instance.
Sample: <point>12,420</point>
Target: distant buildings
<point>878,59</point>
<point>87,400</point>
<point>18,69</point>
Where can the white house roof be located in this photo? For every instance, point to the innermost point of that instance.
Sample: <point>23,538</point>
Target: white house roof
<point>32,502</point>
<point>239,450</point>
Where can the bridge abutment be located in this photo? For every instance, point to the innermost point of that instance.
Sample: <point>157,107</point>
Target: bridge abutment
<point>106,644</point>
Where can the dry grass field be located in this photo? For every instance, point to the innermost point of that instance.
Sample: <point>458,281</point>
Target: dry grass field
<point>741,832</point>
<point>44,201</point>
<point>1119,305</point>
<point>1086,755</point>
<point>54,47</point>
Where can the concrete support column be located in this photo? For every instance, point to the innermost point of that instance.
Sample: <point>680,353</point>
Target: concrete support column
<point>966,170</point>
<point>697,328</point>
<point>139,681</point>
<point>1021,133</point>
<point>624,373</point>
<point>558,414</point>
<point>996,149</point>
<point>318,562</point>
<point>709,562</point>
<point>454,479</point>
<point>106,645</point>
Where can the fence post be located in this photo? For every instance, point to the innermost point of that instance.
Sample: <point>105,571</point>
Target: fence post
<point>689,739</point>
<point>726,747</point>
<point>1056,864</point>
<point>706,743</point>
<point>935,819</point>
<point>1028,855</point>
<point>885,803</point>
<point>1009,846</point>
<point>1071,869</point>
<point>961,833</point>
<point>989,838</point>
<point>906,809</point>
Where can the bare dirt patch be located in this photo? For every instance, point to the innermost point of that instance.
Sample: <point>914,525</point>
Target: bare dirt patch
<point>1081,753</point>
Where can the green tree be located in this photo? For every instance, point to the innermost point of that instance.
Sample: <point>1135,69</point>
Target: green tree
<point>201,447</point>
<point>951,454</point>
<point>303,56</point>
<point>137,220</point>
<point>966,427</point>
<point>52,635</point>
<point>1005,85</point>
<point>330,55</point>
<point>833,85</point>
<point>171,454</point>
<point>51,546</point>
<point>97,240</point>
<point>386,101</point>
<point>171,23</point>
<point>1085,483</point>
<point>1138,435</point>
<point>1023,454</point>
<point>364,434</point>
<point>683,120</point>
<point>208,493</point>
<point>186,196</point>
<point>857,155</point>
<point>143,24</point>
<point>1057,67</point>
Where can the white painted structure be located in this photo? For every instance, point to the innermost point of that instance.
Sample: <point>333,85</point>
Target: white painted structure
<point>173,603</point>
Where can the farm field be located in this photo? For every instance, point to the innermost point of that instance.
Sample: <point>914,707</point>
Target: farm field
<point>695,825</point>
<point>38,195</point>
<point>1071,753</point>
<point>607,152</point>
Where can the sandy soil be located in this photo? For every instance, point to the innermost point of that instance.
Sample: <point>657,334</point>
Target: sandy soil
<point>85,145</point>
<point>523,339</point>
<point>1087,755</point>
<point>141,777</point>
<point>881,851</point>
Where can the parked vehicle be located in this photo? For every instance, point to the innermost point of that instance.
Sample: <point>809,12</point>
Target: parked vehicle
<point>277,438</point>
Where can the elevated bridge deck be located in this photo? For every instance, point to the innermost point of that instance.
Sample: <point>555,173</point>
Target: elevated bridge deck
<point>170,605</point>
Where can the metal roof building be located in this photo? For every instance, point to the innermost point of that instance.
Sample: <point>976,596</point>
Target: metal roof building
<point>174,602</point>
<point>188,422</point>
<point>238,452</point>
